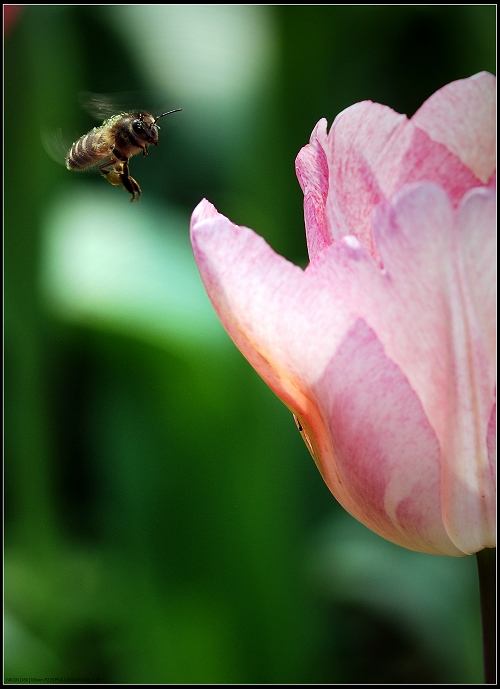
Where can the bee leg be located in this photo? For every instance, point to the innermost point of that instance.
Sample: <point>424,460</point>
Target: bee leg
<point>112,172</point>
<point>117,172</point>
<point>129,183</point>
<point>131,186</point>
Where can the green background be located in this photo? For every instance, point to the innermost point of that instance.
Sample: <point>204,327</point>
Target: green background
<point>164,522</point>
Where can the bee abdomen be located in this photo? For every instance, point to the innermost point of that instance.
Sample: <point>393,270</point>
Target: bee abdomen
<point>87,151</point>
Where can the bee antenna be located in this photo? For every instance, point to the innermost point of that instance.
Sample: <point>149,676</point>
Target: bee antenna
<point>167,113</point>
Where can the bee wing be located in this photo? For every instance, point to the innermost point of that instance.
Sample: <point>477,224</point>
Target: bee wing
<point>56,145</point>
<point>102,106</point>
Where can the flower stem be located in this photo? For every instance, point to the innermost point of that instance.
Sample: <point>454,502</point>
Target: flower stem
<point>486,564</point>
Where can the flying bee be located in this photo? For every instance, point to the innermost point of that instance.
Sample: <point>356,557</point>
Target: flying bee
<point>113,144</point>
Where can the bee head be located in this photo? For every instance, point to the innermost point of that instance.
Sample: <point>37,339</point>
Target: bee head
<point>145,127</point>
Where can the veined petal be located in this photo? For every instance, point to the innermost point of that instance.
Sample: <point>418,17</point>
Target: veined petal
<point>406,302</point>
<point>462,116</point>
<point>469,468</point>
<point>348,395</point>
<point>311,166</point>
<point>384,460</point>
<point>267,305</point>
<point>426,313</point>
<point>371,151</point>
<point>477,242</point>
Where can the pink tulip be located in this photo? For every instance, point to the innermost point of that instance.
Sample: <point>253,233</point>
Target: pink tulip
<point>384,347</point>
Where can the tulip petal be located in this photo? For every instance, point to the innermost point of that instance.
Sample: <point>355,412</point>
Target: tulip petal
<point>491,442</point>
<point>340,383</point>
<point>311,167</point>
<point>477,228</point>
<point>462,116</point>
<point>267,305</point>
<point>469,495</point>
<point>371,151</point>
<point>386,455</point>
<point>406,303</point>
<point>423,312</point>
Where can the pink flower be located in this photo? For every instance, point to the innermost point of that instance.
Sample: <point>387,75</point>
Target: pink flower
<point>384,347</point>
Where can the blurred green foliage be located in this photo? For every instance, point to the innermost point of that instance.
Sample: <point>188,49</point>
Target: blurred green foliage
<point>163,521</point>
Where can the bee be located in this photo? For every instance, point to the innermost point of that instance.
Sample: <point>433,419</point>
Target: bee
<point>113,143</point>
